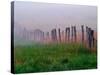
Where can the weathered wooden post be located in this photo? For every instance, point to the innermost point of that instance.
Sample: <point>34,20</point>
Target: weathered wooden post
<point>54,35</point>
<point>82,27</point>
<point>87,36</point>
<point>68,33</point>
<point>93,37</point>
<point>75,36</point>
<point>72,33</point>
<point>47,37</point>
<point>90,38</point>
<point>47,34</point>
<point>59,35</point>
<point>88,33</point>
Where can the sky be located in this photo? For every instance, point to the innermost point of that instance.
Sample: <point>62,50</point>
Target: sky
<point>46,16</point>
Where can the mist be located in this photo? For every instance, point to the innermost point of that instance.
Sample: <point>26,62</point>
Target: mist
<point>29,16</point>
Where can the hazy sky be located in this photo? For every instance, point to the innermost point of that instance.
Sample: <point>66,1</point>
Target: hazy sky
<point>46,16</point>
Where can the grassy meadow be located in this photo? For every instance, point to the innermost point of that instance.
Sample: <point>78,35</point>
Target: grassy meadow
<point>53,57</point>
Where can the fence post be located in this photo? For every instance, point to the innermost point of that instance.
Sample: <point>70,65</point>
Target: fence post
<point>93,37</point>
<point>75,36</point>
<point>90,38</point>
<point>54,35</point>
<point>72,34</point>
<point>66,34</point>
<point>82,27</point>
<point>87,36</point>
<point>47,37</point>
<point>59,35</point>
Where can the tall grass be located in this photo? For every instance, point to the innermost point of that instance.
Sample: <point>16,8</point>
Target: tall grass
<point>53,57</point>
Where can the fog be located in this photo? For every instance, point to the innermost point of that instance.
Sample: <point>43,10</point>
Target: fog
<point>46,16</point>
<point>29,16</point>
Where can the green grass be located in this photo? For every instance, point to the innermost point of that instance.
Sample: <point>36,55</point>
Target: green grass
<point>53,57</point>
